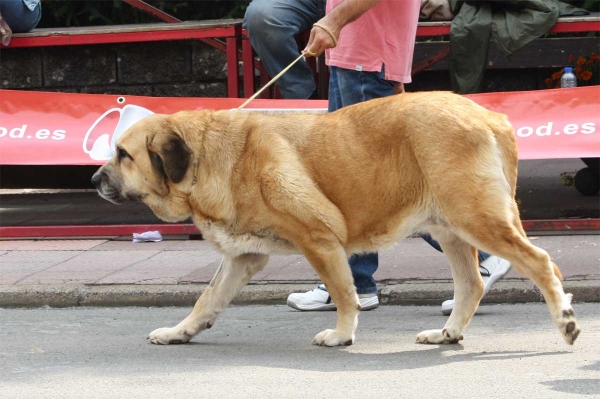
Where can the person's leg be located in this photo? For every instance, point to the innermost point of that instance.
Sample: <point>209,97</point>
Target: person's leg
<point>358,86</point>
<point>20,18</point>
<point>353,87</point>
<point>347,87</point>
<point>363,267</point>
<point>481,256</point>
<point>492,269</point>
<point>272,26</point>
<point>429,239</point>
<point>335,97</point>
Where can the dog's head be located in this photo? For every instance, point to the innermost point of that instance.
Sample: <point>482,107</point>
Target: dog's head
<point>151,162</point>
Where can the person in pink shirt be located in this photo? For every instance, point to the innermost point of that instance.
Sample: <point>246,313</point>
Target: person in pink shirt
<point>368,58</point>
<point>369,45</point>
<point>380,41</point>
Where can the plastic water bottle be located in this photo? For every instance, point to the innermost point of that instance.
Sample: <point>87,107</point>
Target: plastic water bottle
<point>568,79</point>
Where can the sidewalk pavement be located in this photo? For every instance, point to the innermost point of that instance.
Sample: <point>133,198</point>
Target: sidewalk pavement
<point>113,271</point>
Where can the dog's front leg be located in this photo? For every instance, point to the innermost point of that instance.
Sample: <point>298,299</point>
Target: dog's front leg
<point>330,261</point>
<point>233,274</point>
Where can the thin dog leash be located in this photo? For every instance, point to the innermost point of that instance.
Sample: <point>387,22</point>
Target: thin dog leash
<point>196,162</point>
<point>287,68</point>
<point>335,41</point>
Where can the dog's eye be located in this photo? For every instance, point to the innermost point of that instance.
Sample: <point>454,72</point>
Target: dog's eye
<point>122,154</point>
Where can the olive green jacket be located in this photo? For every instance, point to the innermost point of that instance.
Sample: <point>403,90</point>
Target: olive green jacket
<point>511,24</point>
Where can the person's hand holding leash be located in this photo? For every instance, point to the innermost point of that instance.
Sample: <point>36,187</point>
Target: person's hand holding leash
<point>325,33</point>
<point>321,38</point>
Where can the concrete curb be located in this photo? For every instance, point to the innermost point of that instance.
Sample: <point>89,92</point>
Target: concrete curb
<point>407,293</point>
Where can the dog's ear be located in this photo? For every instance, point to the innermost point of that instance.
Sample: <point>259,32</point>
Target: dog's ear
<point>170,156</point>
<point>157,164</point>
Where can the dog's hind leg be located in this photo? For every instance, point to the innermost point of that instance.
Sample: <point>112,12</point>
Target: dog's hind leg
<point>506,238</point>
<point>468,288</point>
<point>233,274</point>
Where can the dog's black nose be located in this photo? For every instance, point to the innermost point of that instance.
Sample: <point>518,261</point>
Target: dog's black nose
<point>96,179</point>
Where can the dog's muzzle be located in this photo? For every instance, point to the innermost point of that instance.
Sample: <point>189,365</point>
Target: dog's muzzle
<point>106,190</point>
<point>112,191</point>
<point>97,180</point>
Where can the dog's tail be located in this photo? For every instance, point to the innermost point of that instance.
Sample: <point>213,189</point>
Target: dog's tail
<point>505,137</point>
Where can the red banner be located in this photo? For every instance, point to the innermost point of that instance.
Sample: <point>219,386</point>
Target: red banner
<point>38,128</point>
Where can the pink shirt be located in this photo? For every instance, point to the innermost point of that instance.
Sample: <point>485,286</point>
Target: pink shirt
<point>384,35</point>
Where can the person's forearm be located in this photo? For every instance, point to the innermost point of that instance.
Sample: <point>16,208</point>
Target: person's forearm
<point>327,30</point>
<point>348,11</point>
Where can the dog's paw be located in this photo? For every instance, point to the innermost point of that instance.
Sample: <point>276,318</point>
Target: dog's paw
<point>437,337</point>
<point>568,326</point>
<point>168,336</point>
<point>332,338</point>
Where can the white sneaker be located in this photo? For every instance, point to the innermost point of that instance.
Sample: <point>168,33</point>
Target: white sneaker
<point>319,299</point>
<point>492,269</point>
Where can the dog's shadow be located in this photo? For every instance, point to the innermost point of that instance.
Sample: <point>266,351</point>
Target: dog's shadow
<point>340,359</point>
<point>248,341</point>
<point>331,360</point>
<point>582,386</point>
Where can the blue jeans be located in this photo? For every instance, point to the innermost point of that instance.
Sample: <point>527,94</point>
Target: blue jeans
<point>347,87</point>
<point>19,18</point>
<point>273,26</point>
<point>481,256</point>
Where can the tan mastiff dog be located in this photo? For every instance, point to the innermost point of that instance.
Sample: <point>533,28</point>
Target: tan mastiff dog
<point>331,185</point>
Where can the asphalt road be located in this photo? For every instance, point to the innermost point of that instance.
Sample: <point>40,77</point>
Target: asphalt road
<point>509,351</point>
